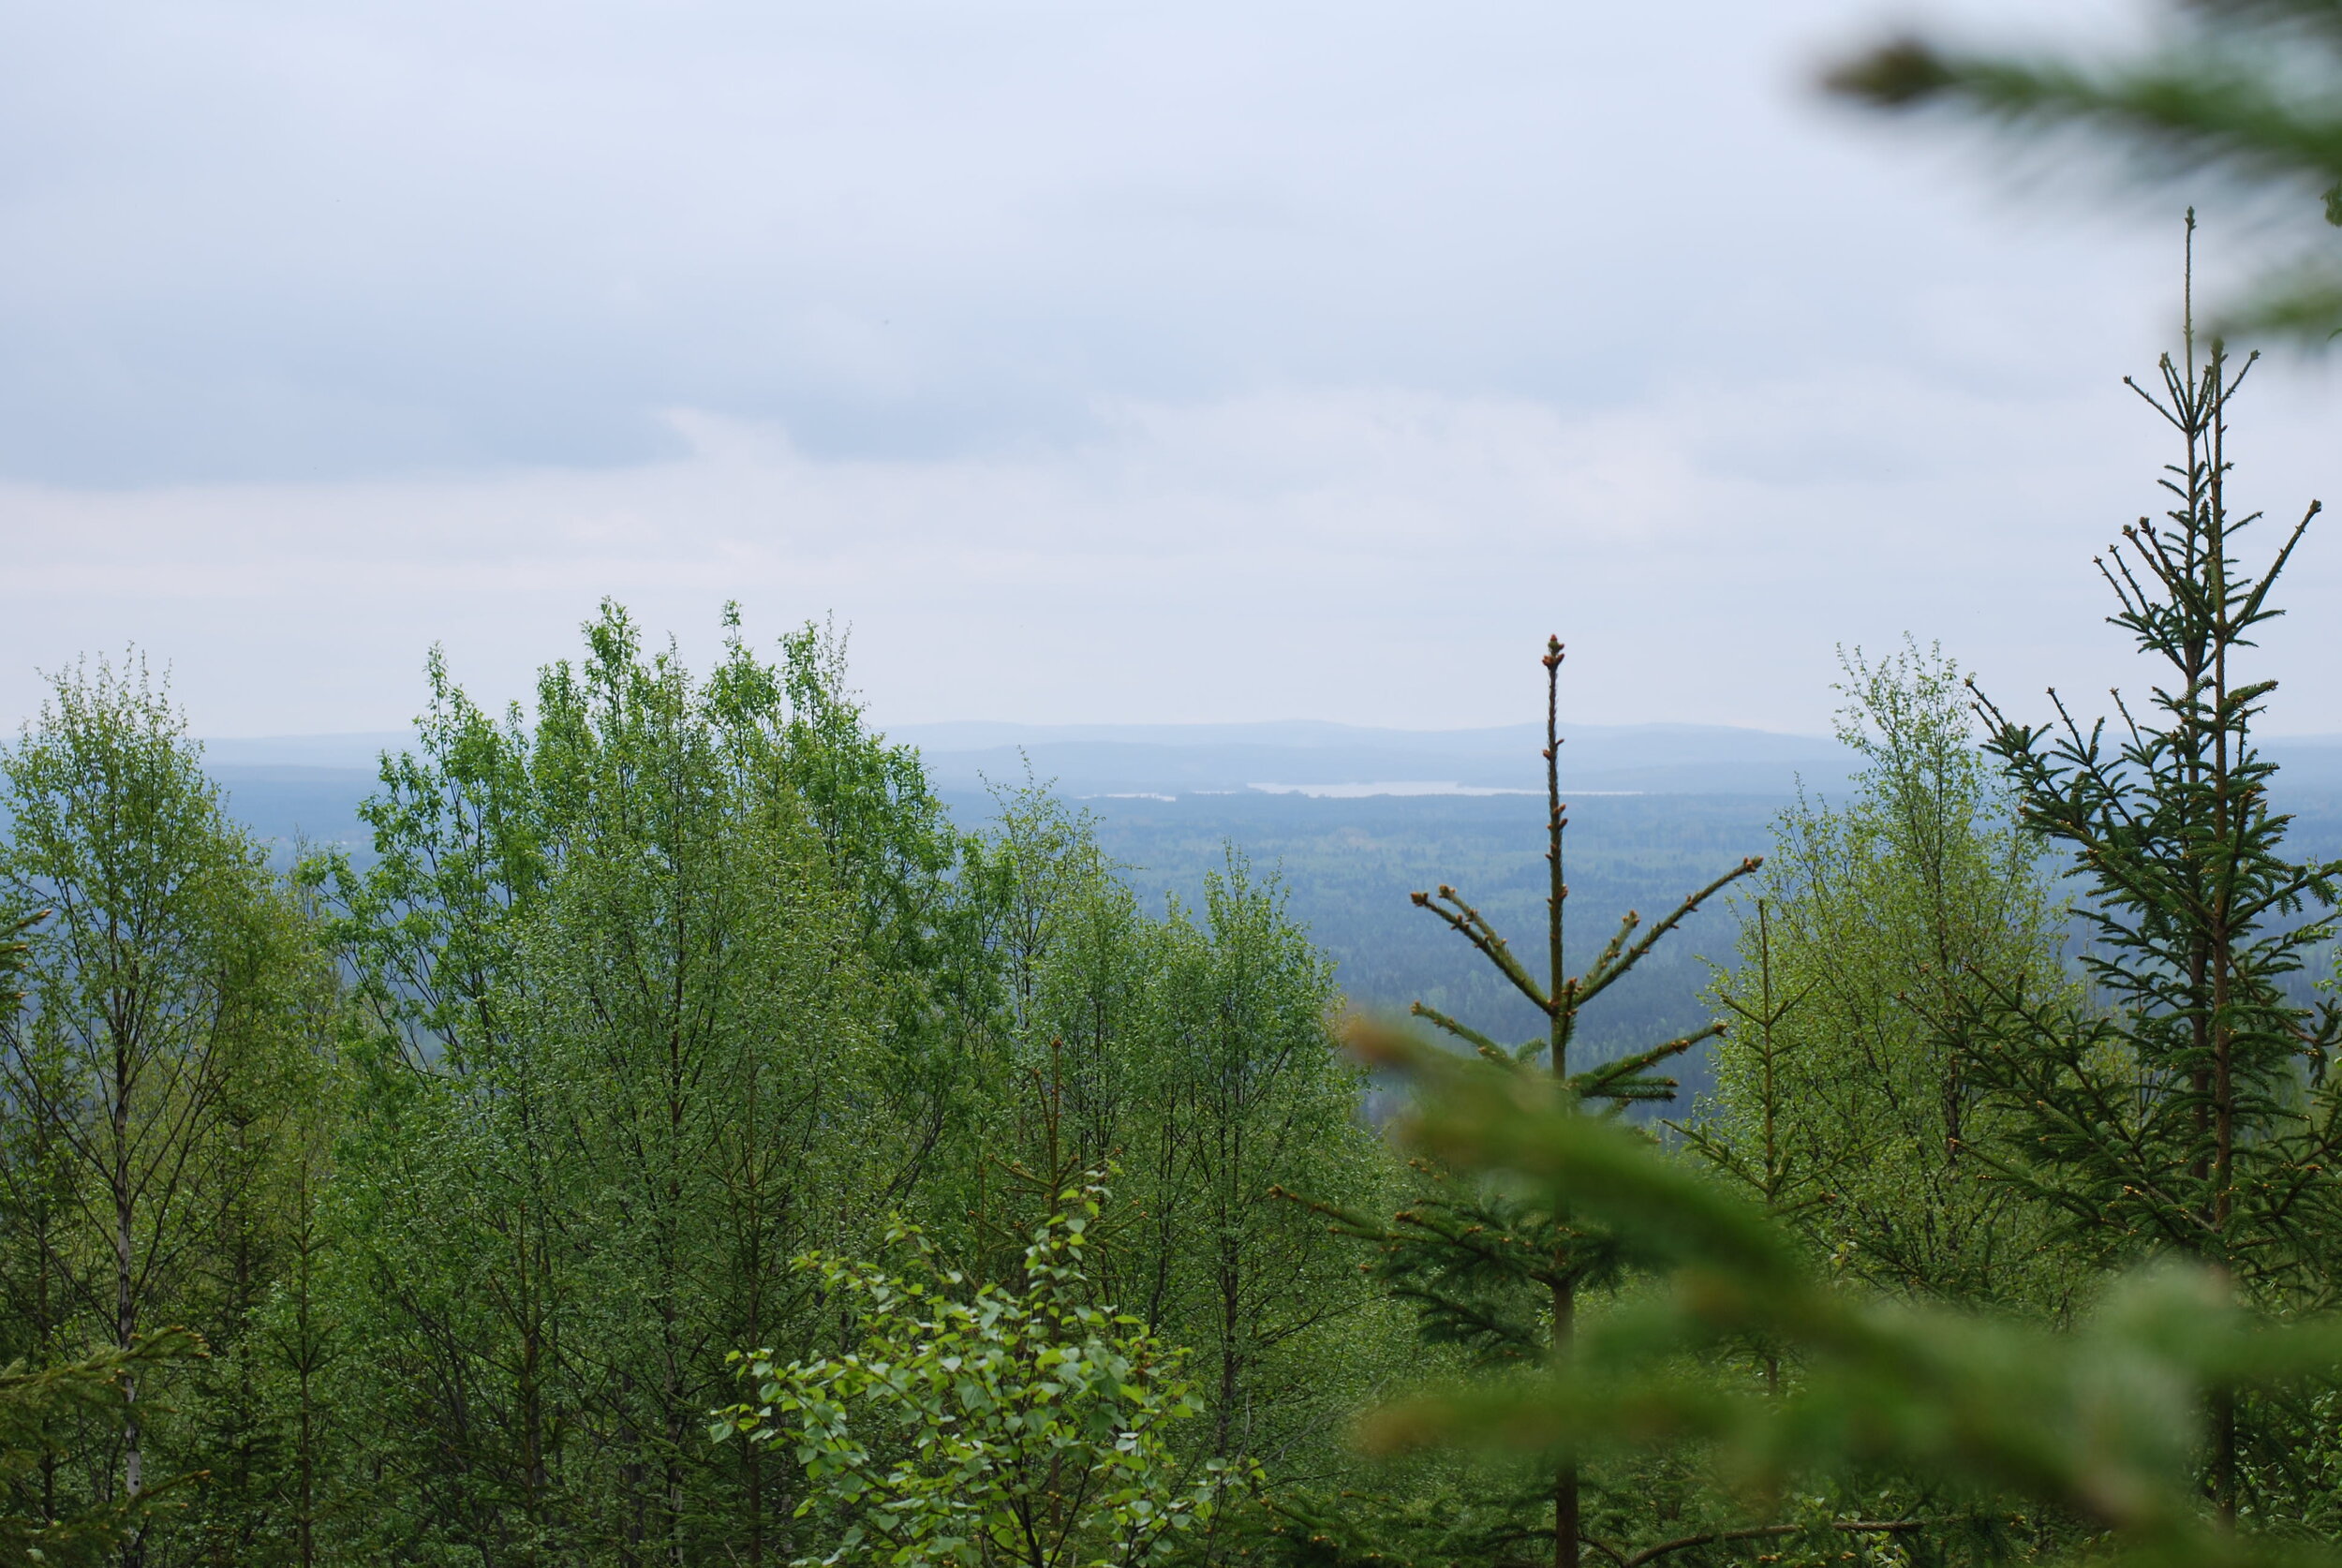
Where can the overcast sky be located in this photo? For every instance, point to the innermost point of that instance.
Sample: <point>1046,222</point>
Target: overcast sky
<point>1091,362</point>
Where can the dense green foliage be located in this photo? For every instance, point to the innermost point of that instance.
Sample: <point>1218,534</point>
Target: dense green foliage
<point>637,1036</point>
<point>1847,1096</point>
<point>1189,1053</point>
<point>1013,1426</point>
<point>473,1163</point>
<point>153,1084</point>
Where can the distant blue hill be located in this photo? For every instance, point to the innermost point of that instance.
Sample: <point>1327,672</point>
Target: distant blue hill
<point>1181,758</point>
<point>357,751</point>
<point>308,786</point>
<point>291,788</point>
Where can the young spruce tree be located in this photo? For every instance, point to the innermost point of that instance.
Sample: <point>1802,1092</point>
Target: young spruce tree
<point>2189,1113</point>
<point>1489,1268</point>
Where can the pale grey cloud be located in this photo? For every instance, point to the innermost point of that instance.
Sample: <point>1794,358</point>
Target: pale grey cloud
<point>1148,361</point>
<point>1376,556</point>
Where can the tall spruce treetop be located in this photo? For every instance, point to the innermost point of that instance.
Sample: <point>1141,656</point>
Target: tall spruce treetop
<point>2190,1110</point>
<point>1492,1269</point>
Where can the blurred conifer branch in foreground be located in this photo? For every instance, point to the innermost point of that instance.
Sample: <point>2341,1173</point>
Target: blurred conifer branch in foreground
<point>2103,1425</point>
<point>2249,91</point>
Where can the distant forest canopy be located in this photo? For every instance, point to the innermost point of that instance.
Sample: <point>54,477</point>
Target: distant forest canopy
<point>1346,864</point>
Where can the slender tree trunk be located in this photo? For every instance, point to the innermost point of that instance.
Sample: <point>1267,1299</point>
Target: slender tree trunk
<point>1559,993</point>
<point>2223,948</point>
<point>679,1414</point>
<point>45,1324</point>
<point>304,1337</point>
<point>308,1469</point>
<point>751,1183</point>
<point>125,1280</point>
<point>1565,1477</point>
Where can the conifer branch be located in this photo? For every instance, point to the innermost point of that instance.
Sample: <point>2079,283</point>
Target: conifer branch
<point>1463,1031</point>
<point>1597,981</point>
<point>2252,612</point>
<point>1467,923</point>
<point>1597,1081</point>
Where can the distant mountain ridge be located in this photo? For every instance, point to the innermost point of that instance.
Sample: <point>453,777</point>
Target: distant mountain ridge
<point>1322,735</point>
<point>1102,759</point>
<point>1106,760</point>
<point>1189,758</point>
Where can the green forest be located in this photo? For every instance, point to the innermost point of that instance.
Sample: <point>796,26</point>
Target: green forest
<point>675,1126</point>
<point>677,1139</point>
